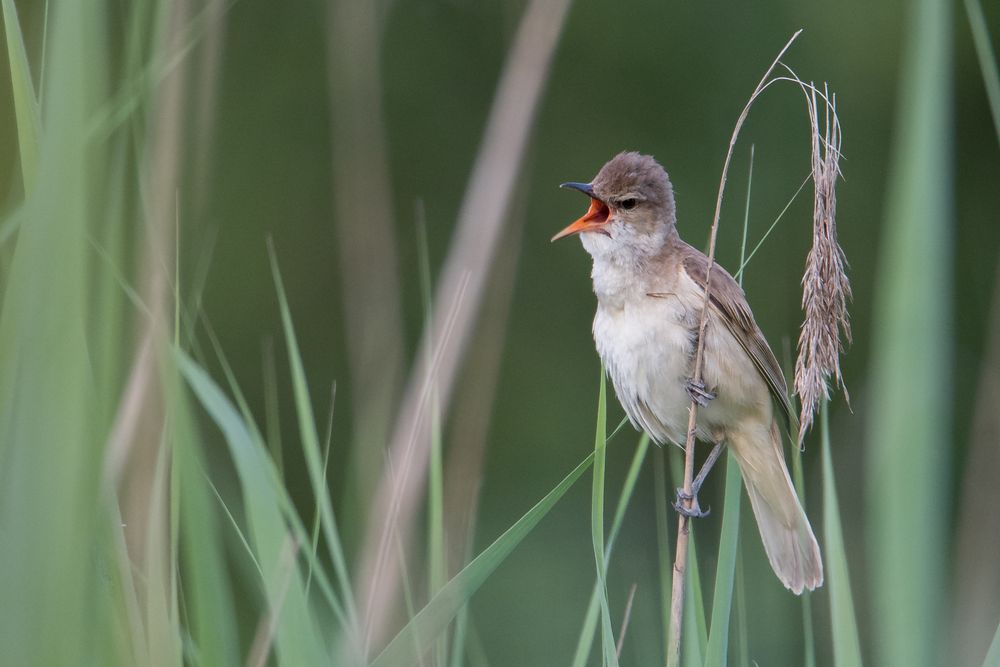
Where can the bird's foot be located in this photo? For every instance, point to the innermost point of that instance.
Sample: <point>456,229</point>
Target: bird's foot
<point>699,393</point>
<point>687,505</point>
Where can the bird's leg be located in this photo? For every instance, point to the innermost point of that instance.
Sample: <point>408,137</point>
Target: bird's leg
<point>699,393</point>
<point>699,479</point>
<point>695,510</point>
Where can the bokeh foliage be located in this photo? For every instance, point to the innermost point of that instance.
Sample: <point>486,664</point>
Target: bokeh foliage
<point>237,121</point>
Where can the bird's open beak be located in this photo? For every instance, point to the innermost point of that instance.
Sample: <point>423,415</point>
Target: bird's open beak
<point>595,217</point>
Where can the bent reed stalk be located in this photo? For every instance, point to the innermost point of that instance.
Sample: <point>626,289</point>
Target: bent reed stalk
<point>825,155</point>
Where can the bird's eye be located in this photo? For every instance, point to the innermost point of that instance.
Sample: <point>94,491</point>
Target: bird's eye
<point>629,204</point>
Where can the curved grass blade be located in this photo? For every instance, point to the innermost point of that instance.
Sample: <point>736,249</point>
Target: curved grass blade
<point>291,513</point>
<point>310,443</point>
<point>298,638</point>
<point>597,525</point>
<point>432,620</point>
<point>26,110</point>
<point>586,640</point>
<point>207,588</point>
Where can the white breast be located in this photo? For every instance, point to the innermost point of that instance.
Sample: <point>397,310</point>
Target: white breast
<point>647,346</point>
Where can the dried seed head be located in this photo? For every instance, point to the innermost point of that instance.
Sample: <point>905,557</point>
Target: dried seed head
<point>825,287</point>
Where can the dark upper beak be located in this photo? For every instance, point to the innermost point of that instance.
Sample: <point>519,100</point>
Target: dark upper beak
<point>595,217</point>
<point>585,188</point>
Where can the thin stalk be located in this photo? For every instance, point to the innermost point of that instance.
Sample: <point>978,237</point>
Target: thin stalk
<point>746,219</point>
<point>680,559</point>
<point>743,262</point>
<point>717,650</point>
<point>625,619</point>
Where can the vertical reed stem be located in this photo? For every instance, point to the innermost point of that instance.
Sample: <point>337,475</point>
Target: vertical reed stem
<point>680,559</point>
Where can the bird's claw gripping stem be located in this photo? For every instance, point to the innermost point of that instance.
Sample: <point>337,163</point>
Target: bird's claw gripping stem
<point>699,393</point>
<point>692,511</point>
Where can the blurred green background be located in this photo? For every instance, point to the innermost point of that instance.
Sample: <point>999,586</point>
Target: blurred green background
<point>300,126</point>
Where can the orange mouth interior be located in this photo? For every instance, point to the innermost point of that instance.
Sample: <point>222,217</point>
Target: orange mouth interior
<point>592,221</point>
<point>598,212</point>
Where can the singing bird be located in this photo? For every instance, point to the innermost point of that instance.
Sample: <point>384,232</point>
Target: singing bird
<point>650,288</point>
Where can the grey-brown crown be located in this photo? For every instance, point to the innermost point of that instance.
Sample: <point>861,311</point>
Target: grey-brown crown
<point>633,173</point>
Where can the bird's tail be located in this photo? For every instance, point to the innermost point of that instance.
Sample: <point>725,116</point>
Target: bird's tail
<point>784,528</point>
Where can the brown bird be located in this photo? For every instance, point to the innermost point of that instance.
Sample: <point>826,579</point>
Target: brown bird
<point>650,288</point>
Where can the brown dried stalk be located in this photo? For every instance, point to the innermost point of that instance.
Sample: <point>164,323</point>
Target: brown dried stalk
<point>480,225</point>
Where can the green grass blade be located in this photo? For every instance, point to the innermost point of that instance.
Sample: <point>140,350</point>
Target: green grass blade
<point>291,515</point>
<point>909,431</point>
<point>327,441</point>
<point>808,631</point>
<point>10,225</point>
<point>26,110</point>
<point>662,543</point>
<point>210,603</point>
<point>987,59</point>
<point>717,650</point>
<point>586,640</point>
<point>742,618</point>
<point>272,413</point>
<point>52,512</point>
<point>310,443</point>
<point>694,643</point>
<point>298,638</point>
<point>846,645</point>
<point>597,524</point>
<point>432,620</point>
<point>234,524</point>
<point>457,657</point>
<point>437,573</point>
<point>993,655</point>
<point>160,563</point>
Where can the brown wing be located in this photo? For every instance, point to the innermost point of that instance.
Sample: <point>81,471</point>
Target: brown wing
<point>729,302</point>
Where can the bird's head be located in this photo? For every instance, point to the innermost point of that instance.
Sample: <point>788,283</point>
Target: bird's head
<point>631,208</point>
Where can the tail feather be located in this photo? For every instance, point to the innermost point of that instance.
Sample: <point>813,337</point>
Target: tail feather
<point>784,528</point>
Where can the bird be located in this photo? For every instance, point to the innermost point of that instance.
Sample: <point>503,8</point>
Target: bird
<point>650,288</point>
